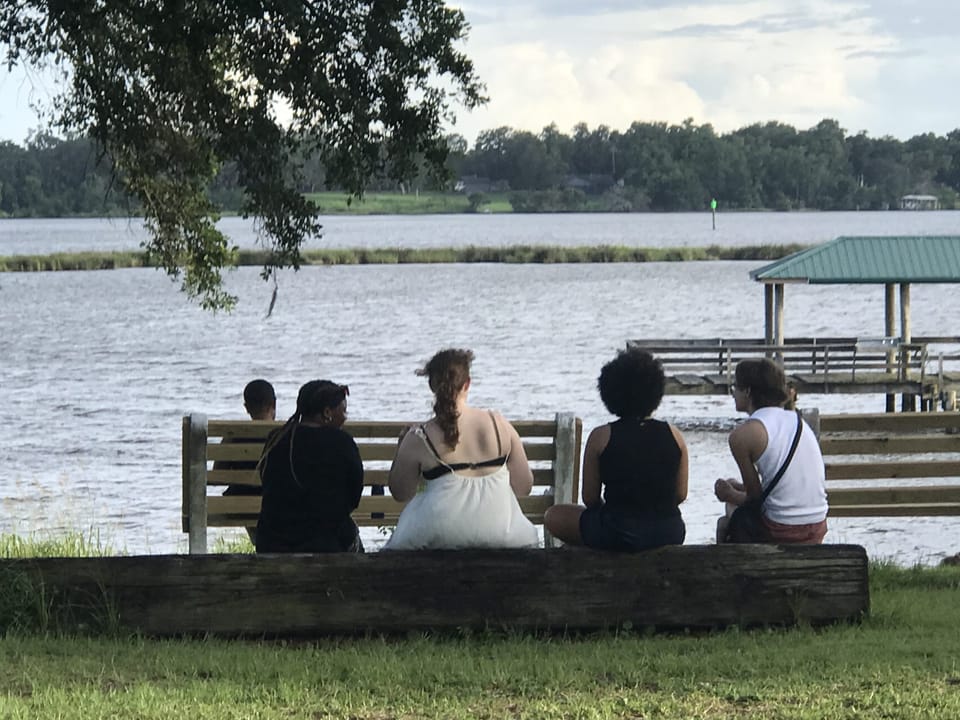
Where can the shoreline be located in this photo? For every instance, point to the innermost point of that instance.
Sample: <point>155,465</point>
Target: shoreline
<point>516,254</point>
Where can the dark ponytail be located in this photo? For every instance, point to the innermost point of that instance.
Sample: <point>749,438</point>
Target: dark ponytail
<point>447,372</point>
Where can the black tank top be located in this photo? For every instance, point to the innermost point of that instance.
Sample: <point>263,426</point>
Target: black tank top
<point>638,467</point>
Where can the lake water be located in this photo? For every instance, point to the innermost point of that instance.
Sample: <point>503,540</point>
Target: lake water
<point>411,231</point>
<point>99,367</point>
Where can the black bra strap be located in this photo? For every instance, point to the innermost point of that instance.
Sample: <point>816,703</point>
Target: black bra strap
<point>426,437</point>
<point>499,460</point>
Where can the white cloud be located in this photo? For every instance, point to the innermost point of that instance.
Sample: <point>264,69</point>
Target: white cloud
<point>884,66</point>
<point>725,63</point>
<point>22,91</point>
<point>532,86</point>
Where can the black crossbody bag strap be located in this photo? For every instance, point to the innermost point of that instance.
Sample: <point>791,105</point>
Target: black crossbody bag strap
<point>783,468</point>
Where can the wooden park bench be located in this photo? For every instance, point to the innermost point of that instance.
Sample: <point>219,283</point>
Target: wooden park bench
<point>552,446</point>
<point>557,589</point>
<point>904,463</point>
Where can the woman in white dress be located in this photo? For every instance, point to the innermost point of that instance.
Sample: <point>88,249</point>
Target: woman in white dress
<point>469,467</point>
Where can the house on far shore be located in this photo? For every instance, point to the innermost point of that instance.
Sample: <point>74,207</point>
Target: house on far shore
<point>469,184</point>
<point>591,183</point>
<point>919,202</point>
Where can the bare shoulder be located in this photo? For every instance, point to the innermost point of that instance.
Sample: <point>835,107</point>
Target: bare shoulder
<point>413,443</point>
<point>750,435</point>
<point>677,435</point>
<point>499,419</point>
<point>598,438</point>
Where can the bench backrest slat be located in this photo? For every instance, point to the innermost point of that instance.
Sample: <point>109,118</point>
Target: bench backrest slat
<point>900,422</point>
<point>249,506</point>
<point>371,477</point>
<point>890,444</point>
<point>920,451</point>
<point>892,469</point>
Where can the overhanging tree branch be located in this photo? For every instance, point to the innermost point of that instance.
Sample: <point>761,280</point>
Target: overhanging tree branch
<point>174,89</point>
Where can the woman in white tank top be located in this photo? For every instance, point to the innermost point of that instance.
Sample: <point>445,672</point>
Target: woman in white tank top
<point>795,511</point>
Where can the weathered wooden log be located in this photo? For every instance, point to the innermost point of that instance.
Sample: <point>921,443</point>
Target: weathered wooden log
<point>528,590</point>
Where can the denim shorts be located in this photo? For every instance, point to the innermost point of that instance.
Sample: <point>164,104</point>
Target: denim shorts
<point>606,529</point>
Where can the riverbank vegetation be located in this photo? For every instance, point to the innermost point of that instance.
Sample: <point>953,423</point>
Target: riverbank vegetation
<point>418,203</point>
<point>536,254</point>
<point>900,662</point>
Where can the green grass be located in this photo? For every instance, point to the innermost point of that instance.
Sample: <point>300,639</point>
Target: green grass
<point>232,545</point>
<point>68,544</point>
<point>535,254</point>
<point>901,662</point>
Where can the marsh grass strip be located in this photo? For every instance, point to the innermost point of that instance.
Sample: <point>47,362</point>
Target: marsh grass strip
<point>517,254</point>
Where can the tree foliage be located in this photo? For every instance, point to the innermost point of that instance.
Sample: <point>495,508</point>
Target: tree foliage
<point>651,166</point>
<point>665,167</point>
<point>172,90</point>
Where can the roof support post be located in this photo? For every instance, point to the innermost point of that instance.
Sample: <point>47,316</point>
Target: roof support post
<point>768,335</point>
<point>889,330</point>
<point>778,313</point>
<point>905,312</point>
<point>908,402</point>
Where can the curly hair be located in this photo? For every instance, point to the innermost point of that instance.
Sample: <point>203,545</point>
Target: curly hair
<point>447,372</point>
<point>632,384</point>
<point>765,381</point>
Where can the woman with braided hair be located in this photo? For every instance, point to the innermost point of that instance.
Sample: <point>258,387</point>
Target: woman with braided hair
<point>472,467</point>
<point>312,477</point>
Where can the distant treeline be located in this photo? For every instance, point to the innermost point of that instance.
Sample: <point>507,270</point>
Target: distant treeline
<point>655,166</point>
<point>649,166</point>
<point>534,254</point>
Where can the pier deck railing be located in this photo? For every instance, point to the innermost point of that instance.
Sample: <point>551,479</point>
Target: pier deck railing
<point>835,359</point>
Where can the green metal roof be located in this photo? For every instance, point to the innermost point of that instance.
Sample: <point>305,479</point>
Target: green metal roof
<point>910,259</point>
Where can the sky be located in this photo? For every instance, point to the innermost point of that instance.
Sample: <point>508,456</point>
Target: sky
<point>886,67</point>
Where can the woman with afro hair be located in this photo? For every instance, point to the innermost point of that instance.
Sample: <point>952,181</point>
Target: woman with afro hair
<point>634,468</point>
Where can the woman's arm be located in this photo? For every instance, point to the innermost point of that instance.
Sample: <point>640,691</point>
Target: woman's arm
<point>596,443</point>
<point>683,470</point>
<point>404,474</point>
<point>521,476</point>
<point>354,472</point>
<point>747,443</point>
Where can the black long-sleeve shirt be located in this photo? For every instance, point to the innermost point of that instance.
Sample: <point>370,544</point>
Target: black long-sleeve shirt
<point>310,512</point>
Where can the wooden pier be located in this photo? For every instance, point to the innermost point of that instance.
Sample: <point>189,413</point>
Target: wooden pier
<point>897,363</point>
<point>846,365</point>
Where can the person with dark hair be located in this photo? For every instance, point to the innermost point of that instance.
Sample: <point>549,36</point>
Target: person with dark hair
<point>635,469</point>
<point>795,511</point>
<point>792,396</point>
<point>312,477</point>
<point>260,402</point>
<point>472,465</point>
